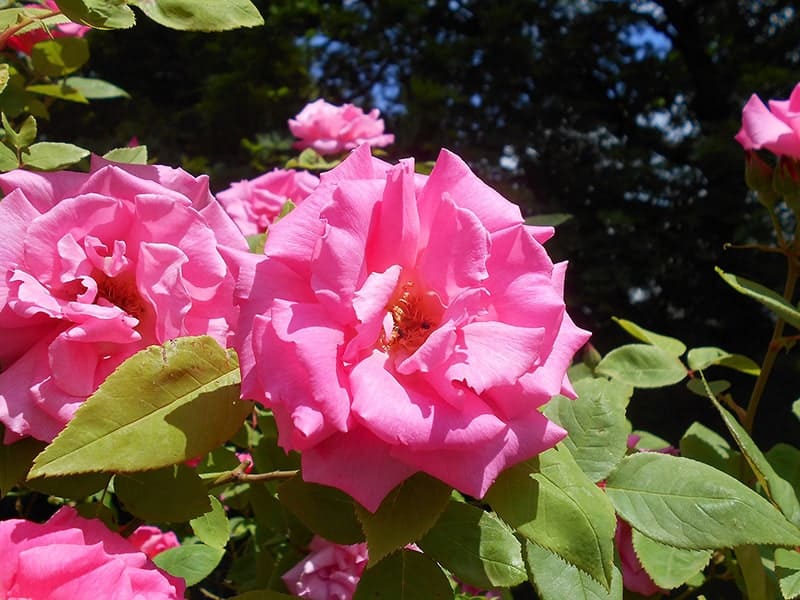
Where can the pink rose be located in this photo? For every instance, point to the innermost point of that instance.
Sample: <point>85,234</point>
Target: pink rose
<point>776,128</point>
<point>96,266</point>
<point>151,540</point>
<point>634,577</point>
<point>328,128</point>
<point>330,572</point>
<point>72,558</point>
<point>25,42</point>
<point>253,204</point>
<point>401,323</point>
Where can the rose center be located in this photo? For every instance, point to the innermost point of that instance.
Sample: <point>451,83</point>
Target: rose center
<point>412,320</point>
<point>121,292</point>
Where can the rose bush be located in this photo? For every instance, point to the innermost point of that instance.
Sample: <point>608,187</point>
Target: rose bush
<point>330,571</point>
<point>328,128</point>
<point>152,541</point>
<point>93,268</point>
<point>24,42</point>
<point>420,325</point>
<point>776,128</point>
<point>73,558</point>
<point>253,204</point>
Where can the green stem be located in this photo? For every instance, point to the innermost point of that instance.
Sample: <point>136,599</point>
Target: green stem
<point>240,476</point>
<point>775,345</point>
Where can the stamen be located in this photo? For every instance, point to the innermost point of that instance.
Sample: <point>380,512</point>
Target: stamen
<point>411,325</point>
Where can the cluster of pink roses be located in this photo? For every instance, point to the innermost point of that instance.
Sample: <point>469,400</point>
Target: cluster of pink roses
<point>370,326</point>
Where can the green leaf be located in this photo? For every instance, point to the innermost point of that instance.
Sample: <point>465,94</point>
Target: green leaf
<point>551,220</point>
<point>15,460</point>
<point>192,562</point>
<point>752,569</point>
<point>405,575</point>
<point>324,510</point>
<point>135,155</point>
<point>540,496</point>
<point>24,137</point>
<point>475,546</point>
<point>667,566</point>
<point>4,76</point>
<point>687,504</point>
<point>311,161</point>
<point>796,408</point>
<point>70,486</point>
<point>100,14</point>
<point>52,156</point>
<point>404,516</point>
<point>787,569</point>
<point>785,459</point>
<point>184,394</point>
<point>668,344</point>
<point>777,488</point>
<point>598,432</point>
<point>59,57</point>
<point>706,446</point>
<point>642,366</point>
<point>256,242</point>
<point>201,15</point>
<point>173,494</point>
<point>58,90</point>
<point>8,160</point>
<point>96,89</point>
<point>701,358</point>
<point>555,579</point>
<point>696,386</point>
<point>772,300</point>
<point>211,527</point>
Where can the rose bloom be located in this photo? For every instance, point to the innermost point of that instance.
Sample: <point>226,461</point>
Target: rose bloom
<point>152,541</point>
<point>72,558</point>
<point>253,204</point>
<point>328,128</point>
<point>96,266</point>
<point>25,42</point>
<point>330,572</point>
<point>402,323</point>
<point>776,128</point>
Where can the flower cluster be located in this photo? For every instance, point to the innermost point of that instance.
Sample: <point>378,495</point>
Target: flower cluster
<point>385,294</point>
<point>73,558</point>
<point>329,572</point>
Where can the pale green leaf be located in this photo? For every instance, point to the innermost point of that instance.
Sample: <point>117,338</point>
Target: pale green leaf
<point>211,527</point>
<point>687,504</point>
<point>718,386</point>
<point>796,408</point>
<point>772,300</point>
<point>4,76</point>
<point>749,561</point>
<point>96,89</point>
<point>8,160</point>
<point>787,569</point>
<point>666,343</point>
<point>52,156</point>
<point>595,421</point>
<point>192,562</point>
<point>475,546</point>
<point>133,155</point>
<point>702,358</point>
<point>59,57</point>
<point>556,579</point>
<point>184,394</point>
<point>201,15</point>
<point>100,14</point>
<point>702,444</point>
<point>404,516</point>
<point>785,459</point>
<point>668,567</point>
<point>405,575</point>
<point>642,366</point>
<point>58,90</point>
<point>537,498</point>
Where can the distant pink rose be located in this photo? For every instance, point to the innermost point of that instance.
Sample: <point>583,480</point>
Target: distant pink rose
<point>776,128</point>
<point>634,577</point>
<point>329,129</point>
<point>253,204</point>
<point>72,558</point>
<point>25,42</point>
<point>419,324</point>
<point>96,266</point>
<point>152,541</point>
<point>330,572</point>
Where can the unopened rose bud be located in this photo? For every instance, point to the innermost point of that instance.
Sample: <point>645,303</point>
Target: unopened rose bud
<point>786,182</point>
